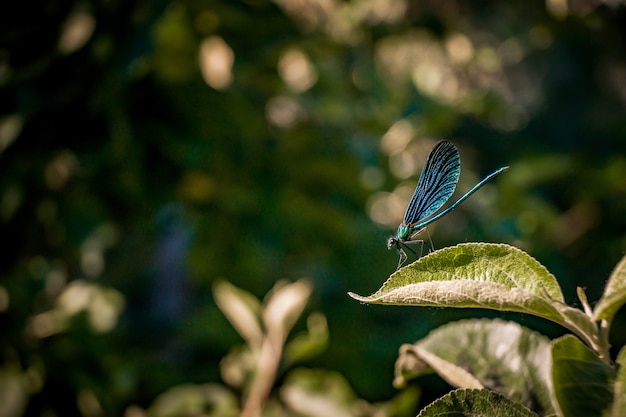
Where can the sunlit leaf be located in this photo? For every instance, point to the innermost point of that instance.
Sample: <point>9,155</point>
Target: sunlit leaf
<point>583,384</point>
<point>13,390</point>
<point>316,393</point>
<point>323,393</point>
<point>238,366</point>
<point>211,400</point>
<point>498,355</point>
<point>475,403</point>
<point>414,360</point>
<point>484,275</point>
<point>284,305</point>
<point>242,309</point>
<point>309,343</point>
<point>614,293</point>
<point>474,275</point>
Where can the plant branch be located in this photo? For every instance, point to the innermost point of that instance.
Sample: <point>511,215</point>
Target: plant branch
<point>267,367</point>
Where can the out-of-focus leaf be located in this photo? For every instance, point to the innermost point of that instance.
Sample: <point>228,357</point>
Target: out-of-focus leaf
<point>211,400</point>
<point>402,405</point>
<point>284,306</point>
<point>318,393</point>
<point>13,392</point>
<point>237,367</point>
<point>307,344</point>
<point>242,309</point>
<point>322,393</point>
<point>175,57</point>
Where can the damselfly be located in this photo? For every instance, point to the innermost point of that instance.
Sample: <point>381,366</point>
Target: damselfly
<point>434,187</point>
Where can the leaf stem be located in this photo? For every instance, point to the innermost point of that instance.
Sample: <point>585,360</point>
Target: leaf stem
<point>597,341</point>
<point>605,327</point>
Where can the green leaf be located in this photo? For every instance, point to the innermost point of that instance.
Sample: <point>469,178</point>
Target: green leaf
<point>307,344</point>
<point>211,400</point>
<point>614,293</point>
<point>484,275</point>
<point>475,403</point>
<point>283,306</point>
<point>583,384</point>
<point>415,360</point>
<point>242,309</point>
<point>499,355</point>
<point>474,275</point>
<point>317,393</point>
<point>619,389</point>
<point>310,389</point>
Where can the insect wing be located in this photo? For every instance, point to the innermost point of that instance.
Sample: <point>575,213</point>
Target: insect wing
<point>436,183</point>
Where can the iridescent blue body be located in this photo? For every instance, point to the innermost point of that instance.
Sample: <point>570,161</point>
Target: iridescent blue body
<point>435,186</point>
<point>404,231</point>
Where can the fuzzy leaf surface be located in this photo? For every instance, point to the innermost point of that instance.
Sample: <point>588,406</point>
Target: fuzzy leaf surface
<point>475,403</point>
<point>614,295</point>
<point>474,275</point>
<point>501,356</point>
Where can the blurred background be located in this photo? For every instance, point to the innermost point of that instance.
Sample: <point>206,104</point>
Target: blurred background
<point>151,148</point>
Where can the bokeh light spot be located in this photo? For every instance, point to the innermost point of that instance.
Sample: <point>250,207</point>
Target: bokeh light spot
<point>216,62</point>
<point>388,208</point>
<point>488,59</point>
<point>104,309</point>
<point>296,70</point>
<point>56,280</point>
<point>88,403</point>
<point>5,300</point>
<point>558,8</point>
<point>283,111</point>
<point>10,201</point>
<point>60,169</point>
<point>44,325</point>
<point>459,48</point>
<point>77,31</point>
<point>10,128</point>
<point>372,178</point>
<point>397,137</point>
<point>75,298</point>
<point>510,51</point>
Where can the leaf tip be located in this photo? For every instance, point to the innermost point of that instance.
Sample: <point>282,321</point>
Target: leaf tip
<point>358,297</point>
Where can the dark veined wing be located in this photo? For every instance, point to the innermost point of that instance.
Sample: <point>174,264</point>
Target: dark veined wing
<point>436,184</point>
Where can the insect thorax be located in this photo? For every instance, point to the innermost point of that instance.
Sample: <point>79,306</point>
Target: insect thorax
<point>404,231</point>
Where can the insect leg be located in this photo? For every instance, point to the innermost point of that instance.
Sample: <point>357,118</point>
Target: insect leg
<point>405,245</point>
<point>402,255</point>
<point>430,240</point>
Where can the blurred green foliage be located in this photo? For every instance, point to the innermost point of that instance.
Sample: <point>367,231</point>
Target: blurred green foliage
<point>149,148</point>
